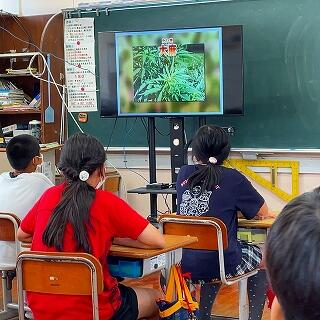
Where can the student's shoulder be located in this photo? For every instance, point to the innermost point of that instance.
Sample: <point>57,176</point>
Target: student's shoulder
<point>187,169</point>
<point>107,197</point>
<point>5,176</point>
<point>38,178</point>
<point>53,191</point>
<point>232,174</point>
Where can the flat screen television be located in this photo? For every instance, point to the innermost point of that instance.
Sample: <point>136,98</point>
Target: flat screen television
<point>182,72</point>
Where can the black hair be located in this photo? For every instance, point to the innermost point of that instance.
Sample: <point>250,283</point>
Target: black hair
<point>21,150</point>
<point>209,141</point>
<point>292,256</point>
<point>81,152</point>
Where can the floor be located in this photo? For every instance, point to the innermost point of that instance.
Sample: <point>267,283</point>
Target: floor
<point>226,302</point>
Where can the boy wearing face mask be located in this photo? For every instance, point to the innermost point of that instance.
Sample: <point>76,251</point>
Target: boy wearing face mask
<point>22,187</point>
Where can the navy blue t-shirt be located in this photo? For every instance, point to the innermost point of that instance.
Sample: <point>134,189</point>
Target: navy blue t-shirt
<point>234,193</point>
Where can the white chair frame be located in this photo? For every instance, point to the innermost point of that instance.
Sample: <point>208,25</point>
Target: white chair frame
<point>241,280</point>
<point>69,259</point>
<point>9,308</point>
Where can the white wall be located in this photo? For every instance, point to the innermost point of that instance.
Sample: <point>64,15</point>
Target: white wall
<point>11,6</point>
<point>141,202</point>
<point>36,7</point>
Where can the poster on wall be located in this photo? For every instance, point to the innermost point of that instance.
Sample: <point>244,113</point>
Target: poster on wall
<point>80,65</point>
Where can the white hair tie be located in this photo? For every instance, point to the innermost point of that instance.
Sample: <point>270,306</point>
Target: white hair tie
<point>84,175</point>
<point>213,160</point>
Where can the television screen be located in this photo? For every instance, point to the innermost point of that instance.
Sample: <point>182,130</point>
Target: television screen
<point>171,72</point>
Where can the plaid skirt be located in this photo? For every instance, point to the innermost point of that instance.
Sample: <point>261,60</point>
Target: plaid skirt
<point>251,259</point>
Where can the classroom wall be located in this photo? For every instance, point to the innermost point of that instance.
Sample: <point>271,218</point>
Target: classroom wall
<point>36,7</point>
<point>130,180</point>
<point>141,202</point>
<point>11,6</point>
<point>137,160</point>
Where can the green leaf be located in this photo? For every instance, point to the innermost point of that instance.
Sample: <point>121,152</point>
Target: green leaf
<point>152,90</point>
<point>136,71</point>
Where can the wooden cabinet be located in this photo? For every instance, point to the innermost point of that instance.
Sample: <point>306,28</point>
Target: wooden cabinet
<point>16,47</point>
<point>18,114</point>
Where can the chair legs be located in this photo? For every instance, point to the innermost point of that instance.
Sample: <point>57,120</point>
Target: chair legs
<point>7,311</point>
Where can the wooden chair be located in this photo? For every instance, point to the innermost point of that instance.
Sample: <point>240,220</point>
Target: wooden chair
<point>9,224</point>
<point>212,235</point>
<point>59,273</point>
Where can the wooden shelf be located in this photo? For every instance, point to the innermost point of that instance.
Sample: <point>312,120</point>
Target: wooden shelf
<point>18,54</point>
<point>19,111</point>
<point>47,33</point>
<point>5,75</point>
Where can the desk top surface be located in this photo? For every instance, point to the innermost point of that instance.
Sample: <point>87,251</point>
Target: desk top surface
<point>263,224</point>
<point>143,190</point>
<point>172,242</point>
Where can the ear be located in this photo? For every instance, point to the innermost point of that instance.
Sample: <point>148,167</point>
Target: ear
<point>36,160</point>
<point>276,310</point>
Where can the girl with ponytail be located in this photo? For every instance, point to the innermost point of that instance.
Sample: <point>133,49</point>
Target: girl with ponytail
<point>208,189</point>
<point>78,217</point>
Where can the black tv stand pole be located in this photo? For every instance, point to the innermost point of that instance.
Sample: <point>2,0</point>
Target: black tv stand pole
<point>177,151</point>
<point>202,121</point>
<point>177,143</point>
<point>152,168</point>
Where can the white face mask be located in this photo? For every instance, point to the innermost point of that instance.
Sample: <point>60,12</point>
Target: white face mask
<point>39,166</point>
<point>101,182</point>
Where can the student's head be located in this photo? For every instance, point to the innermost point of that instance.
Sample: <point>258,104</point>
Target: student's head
<point>82,163</point>
<point>82,152</point>
<point>292,254</point>
<point>23,153</point>
<point>210,147</point>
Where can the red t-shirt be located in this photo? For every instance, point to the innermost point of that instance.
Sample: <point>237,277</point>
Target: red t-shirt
<point>110,217</point>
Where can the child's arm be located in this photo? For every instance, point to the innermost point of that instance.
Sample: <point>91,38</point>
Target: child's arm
<point>24,237</point>
<point>264,213</point>
<point>150,238</point>
<point>127,242</point>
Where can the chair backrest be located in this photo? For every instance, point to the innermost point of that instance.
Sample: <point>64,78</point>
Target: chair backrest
<point>59,273</point>
<point>9,224</point>
<point>205,229</point>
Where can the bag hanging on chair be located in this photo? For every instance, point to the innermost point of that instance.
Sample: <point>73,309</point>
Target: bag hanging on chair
<point>185,307</point>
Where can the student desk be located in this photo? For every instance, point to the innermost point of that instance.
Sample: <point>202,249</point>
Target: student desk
<point>261,224</point>
<point>136,262</point>
<point>254,231</point>
<point>130,262</point>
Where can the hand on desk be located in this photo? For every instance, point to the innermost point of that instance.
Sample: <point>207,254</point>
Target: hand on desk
<point>271,215</point>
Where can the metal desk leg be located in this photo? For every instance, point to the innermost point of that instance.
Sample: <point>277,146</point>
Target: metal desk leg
<point>172,257</point>
<point>7,312</point>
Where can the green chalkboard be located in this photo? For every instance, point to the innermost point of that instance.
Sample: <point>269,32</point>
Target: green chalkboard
<point>281,70</point>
